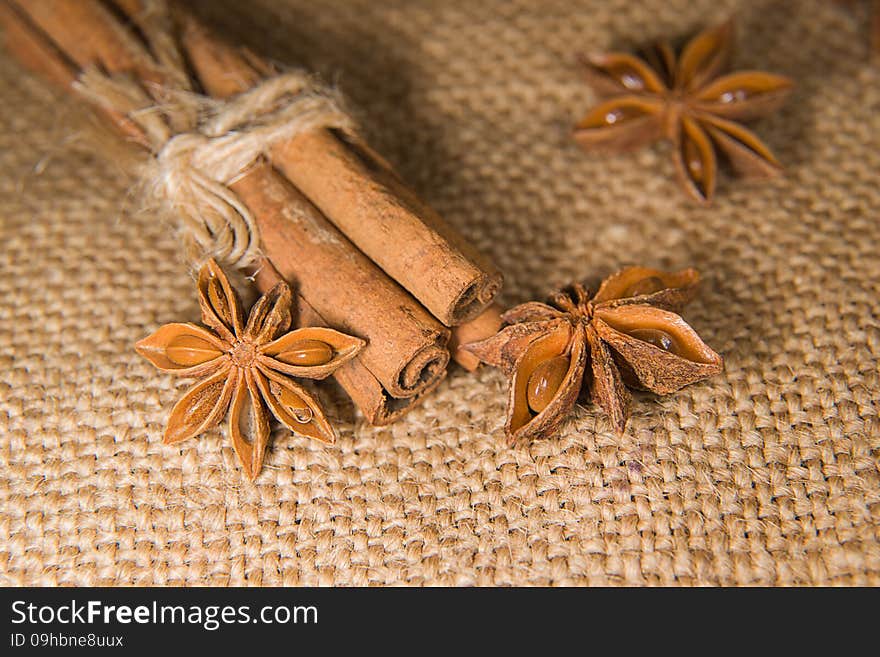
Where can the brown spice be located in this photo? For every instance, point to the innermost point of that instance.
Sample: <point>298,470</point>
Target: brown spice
<point>247,368</point>
<point>627,334</point>
<point>488,323</point>
<point>687,101</point>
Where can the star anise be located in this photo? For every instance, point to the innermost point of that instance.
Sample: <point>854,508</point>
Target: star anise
<point>245,368</point>
<point>627,334</point>
<point>686,100</point>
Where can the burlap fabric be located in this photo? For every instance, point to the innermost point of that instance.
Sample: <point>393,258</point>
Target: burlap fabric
<point>767,474</point>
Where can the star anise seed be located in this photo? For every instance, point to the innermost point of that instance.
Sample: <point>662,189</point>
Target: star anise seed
<point>247,369</point>
<point>687,101</point>
<point>627,334</point>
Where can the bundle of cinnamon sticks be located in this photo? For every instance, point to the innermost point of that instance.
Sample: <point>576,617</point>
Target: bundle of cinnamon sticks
<point>364,254</point>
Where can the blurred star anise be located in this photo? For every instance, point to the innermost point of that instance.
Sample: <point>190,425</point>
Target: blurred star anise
<point>688,101</point>
<point>627,334</point>
<point>246,367</point>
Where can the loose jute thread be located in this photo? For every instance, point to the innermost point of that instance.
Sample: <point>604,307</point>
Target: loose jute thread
<point>201,145</point>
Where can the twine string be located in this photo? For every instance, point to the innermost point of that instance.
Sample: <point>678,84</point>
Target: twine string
<point>211,144</point>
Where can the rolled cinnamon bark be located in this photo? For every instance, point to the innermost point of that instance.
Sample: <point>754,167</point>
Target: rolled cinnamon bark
<point>406,355</point>
<point>366,200</point>
<point>485,325</point>
<point>378,407</point>
<point>390,224</point>
<point>406,349</point>
<point>23,38</point>
<point>37,52</point>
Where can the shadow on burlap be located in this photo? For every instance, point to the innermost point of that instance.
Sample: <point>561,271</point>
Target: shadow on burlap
<point>767,474</point>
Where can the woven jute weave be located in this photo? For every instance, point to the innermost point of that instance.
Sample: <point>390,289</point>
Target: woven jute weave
<point>767,474</point>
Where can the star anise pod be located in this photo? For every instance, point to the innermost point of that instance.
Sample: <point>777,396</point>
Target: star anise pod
<point>627,334</point>
<point>247,368</point>
<point>688,101</point>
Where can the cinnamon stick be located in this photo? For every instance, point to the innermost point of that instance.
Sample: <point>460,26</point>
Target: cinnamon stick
<point>485,325</point>
<point>359,193</point>
<point>88,33</point>
<point>389,223</point>
<point>33,49</point>
<point>36,52</point>
<point>377,406</point>
<point>406,349</point>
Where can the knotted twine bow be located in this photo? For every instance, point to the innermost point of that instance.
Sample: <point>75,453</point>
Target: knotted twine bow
<point>201,145</point>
